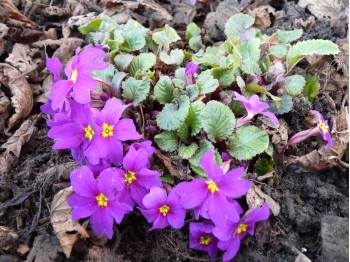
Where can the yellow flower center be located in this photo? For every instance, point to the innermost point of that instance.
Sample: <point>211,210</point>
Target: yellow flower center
<point>241,228</point>
<point>102,200</point>
<point>107,130</point>
<point>205,240</point>
<point>129,177</point>
<point>212,186</point>
<point>74,76</point>
<point>323,127</point>
<point>88,132</point>
<point>164,210</point>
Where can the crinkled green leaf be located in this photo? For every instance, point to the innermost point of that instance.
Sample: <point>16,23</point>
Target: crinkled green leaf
<point>167,141</point>
<point>239,25</point>
<point>204,146</point>
<point>163,90</point>
<point>294,85</point>
<point>195,43</point>
<point>218,121</point>
<point>192,31</point>
<point>247,142</point>
<point>186,152</point>
<point>105,74</point>
<point>206,83</point>
<point>225,75</point>
<point>310,47</point>
<point>123,61</point>
<point>192,91</point>
<point>264,165</point>
<point>232,61</point>
<point>165,36</point>
<point>136,91</point>
<point>250,53</point>
<point>285,106</point>
<point>117,83</point>
<point>132,41</point>
<point>289,36</point>
<point>279,50</point>
<point>174,114</point>
<point>184,133</point>
<point>193,119</point>
<point>143,62</point>
<point>312,87</point>
<point>180,80</point>
<point>167,179</point>
<point>210,57</point>
<point>175,57</point>
<point>250,67</point>
<point>92,26</point>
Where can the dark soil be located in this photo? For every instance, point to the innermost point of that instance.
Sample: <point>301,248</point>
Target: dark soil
<point>306,199</point>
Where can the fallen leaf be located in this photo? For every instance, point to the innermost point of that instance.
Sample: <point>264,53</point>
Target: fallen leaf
<point>326,9</point>
<point>20,58</point>
<point>167,162</point>
<point>4,110</point>
<point>342,58</point>
<point>8,238</point>
<point>3,32</point>
<point>279,135</point>
<point>13,15</point>
<point>262,16</point>
<point>67,230</point>
<point>22,249</point>
<point>255,198</point>
<point>45,248</point>
<point>323,159</point>
<point>22,99</point>
<point>79,20</point>
<point>306,25</point>
<point>156,7</point>
<point>15,143</point>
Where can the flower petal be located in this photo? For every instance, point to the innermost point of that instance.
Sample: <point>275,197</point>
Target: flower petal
<point>148,178</point>
<point>209,166</point>
<point>84,183</point>
<point>82,88</point>
<point>160,222</point>
<point>233,186</point>
<point>107,182</point>
<point>155,198</point>
<point>112,111</point>
<point>192,193</point>
<point>125,130</point>
<point>219,210</point>
<point>55,66</point>
<point>176,217</point>
<point>271,116</point>
<point>232,250</point>
<point>82,206</point>
<point>102,222</point>
<point>135,160</point>
<point>257,215</point>
<point>118,210</point>
<point>150,214</point>
<point>59,91</point>
<point>115,152</point>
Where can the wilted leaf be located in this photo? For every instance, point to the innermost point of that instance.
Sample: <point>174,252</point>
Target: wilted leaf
<point>20,59</point>
<point>22,99</point>
<point>4,110</point>
<point>45,248</point>
<point>255,198</point>
<point>66,229</point>
<point>323,9</point>
<point>167,141</point>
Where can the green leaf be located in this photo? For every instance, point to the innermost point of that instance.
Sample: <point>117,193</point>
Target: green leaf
<point>173,115</point>
<point>167,179</point>
<point>192,31</point>
<point>105,74</point>
<point>247,142</point>
<point>250,53</point>
<point>117,82</point>
<point>279,50</point>
<point>294,85</point>
<point>218,121</point>
<point>142,62</point>
<point>93,26</point>
<point>175,57</point>
<point>186,152</point>
<point>206,83</point>
<point>165,36</point>
<point>136,90</point>
<point>263,166</point>
<point>310,47</point>
<point>180,80</point>
<point>286,37</point>
<point>163,90</point>
<point>167,141</point>
<point>195,43</point>
<point>192,91</point>
<point>133,41</point>
<point>225,75</point>
<point>123,61</point>
<point>184,133</point>
<point>312,87</point>
<point>210,57</point>
<point>285,106</point>
<point>193,119</point>
<point>239,25</point>
<point>204,146</point>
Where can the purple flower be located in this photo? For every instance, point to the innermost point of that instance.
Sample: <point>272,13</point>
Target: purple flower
<point>55,66</point>
<point>77,132</point>
<point>231,234</point>
<point>254,107</point>
<point>209,197</point>
<point>323,127</point>
<point>96,199</point>
<point>163,210</point>
<point>113,131</point>
<point>191,69</point>
<point>137,178</point>
<point>146,145</point>
<point>79,82</point>
<point>202,238</point>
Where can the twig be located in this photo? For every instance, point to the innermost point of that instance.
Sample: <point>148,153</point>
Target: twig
<point>143,121</point>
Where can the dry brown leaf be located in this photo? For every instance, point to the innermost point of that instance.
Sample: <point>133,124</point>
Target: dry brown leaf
<point>21,59</point>
<point>306,25</point>
<point>22,99</point>
<point>157,8</point>
<point>22,249</point>
<point>323,159</point>
<point>167,162</point>
<point>325,9</point>
<point>13,15</point>
<point>342,59</point>
<point>4,110</point>
<point>67,230</point>
<point>8,237</point>
<point>45,248</point>
<point>262,16</point>
<point>79,20</point>
<point>3,32</point>
<point>279,135</point>
<point>255,198</point>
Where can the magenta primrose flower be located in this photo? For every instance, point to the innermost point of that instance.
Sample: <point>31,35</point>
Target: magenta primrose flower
<point>97,199</point>
<point>254,107</point>
<point>163,210</point>
<point>202,238</point>
<point>79,82</point>
<point>113,131</point>
<point>191,69</point>
<point>231,234</point>
<point>211,198</point>
<point>137,177</point>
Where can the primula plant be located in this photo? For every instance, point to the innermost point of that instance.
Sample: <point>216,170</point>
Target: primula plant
<point>132,91</point>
